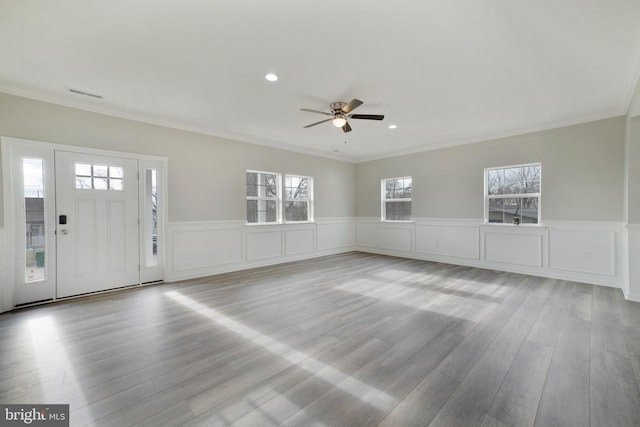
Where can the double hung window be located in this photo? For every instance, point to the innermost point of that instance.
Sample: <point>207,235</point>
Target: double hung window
<point>263,197</point>
<point>297,203</point>
<point>396,199</point>
<point>267,198</point>
<point>513,194</point>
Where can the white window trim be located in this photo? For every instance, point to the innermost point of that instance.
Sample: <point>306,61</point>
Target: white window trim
<point>383,200</point>
<point>278,198</point>
<point>511,196</point>
<point>308,200</point>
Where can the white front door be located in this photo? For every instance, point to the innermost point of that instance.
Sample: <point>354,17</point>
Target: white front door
<point>97,228</point>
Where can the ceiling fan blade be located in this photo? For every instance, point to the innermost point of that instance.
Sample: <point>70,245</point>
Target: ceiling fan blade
<point>367,116</point>
<point>315,111</point>
<point>317,123</point>
<point>355,103</point>
<point>346,128</point>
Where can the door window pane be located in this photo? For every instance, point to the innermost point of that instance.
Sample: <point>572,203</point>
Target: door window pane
<point>99,177</point>
<point>151,218</point>
<point>35,238</point>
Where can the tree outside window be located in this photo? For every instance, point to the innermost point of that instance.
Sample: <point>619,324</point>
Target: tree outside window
<point>513,194</point>
<point>396,199</point>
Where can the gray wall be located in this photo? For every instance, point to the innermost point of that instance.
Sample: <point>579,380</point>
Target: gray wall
<point>582,174</point>
<point>206,173</point>
<point>633,201</point>
<point>582,166</point>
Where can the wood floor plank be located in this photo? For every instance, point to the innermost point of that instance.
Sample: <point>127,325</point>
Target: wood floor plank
<point>352,339</point>
<point>517,399</point>
<point>423,403</point>
<point>565,396</point>
<point>614,392</point>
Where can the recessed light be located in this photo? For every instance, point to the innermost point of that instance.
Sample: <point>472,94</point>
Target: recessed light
<point>392,126</point>
<point>271,77</point>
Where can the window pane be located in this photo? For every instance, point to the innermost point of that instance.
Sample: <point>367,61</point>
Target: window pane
<point>406,188</point>
<point>115,184</point>
<point>100,183</point>
<point>296,211</point>
<point>496,211</point>
<point>389,189</point>
<point>504,210</point>
<point>83,182</point>
<point>83,169</point>
<point>271,189</point>
<point>529,210</point>
<point>398,211</point>
<point>33,181</point>
<point>252,211</point>
<point>398,188</point>
<point>516,180</point>
<point>150,222</point>
<point>115,172</point>
<point>261,211</point>
<point>100,170</point>
<point>261,185</point>
<point>268,209</point>
<point>252,184</point>
<point>296,187</point>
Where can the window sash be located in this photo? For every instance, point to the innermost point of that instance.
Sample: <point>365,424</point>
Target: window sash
<point>263,216</point>
<point>402,190</point>
<point>510,178</point>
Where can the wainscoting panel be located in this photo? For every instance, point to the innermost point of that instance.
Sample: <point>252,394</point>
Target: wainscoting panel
<point>300,240</point>
<point>513,248</point>
<point>333,234</point>
<point>448,240</point>
<point>633,245</point>
<point>396,237</point>
<point>6,290</point>
<point>367,234</point>
<point>201,247</point>
<point>198,249</point>
<point>583,251</point>
<point>264,243</point>
<point>587,252</point>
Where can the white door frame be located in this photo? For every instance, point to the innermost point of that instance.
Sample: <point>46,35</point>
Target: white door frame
<point>8,146</point>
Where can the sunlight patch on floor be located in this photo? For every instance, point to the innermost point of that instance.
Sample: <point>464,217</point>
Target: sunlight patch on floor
<point>424,300</point>
<point>52,361</point>
<point>366,393</point>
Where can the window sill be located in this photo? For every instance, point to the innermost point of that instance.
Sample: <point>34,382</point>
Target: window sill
<point>507,224</point>
<point>258,224</point>
<point>390,221</point>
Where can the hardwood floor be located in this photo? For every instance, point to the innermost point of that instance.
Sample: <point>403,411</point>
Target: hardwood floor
<point>354,339</point>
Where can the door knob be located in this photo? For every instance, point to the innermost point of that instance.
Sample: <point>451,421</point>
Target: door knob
<point>64,232</point>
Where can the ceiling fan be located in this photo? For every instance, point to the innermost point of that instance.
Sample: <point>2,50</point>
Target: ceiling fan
<point>341,112</point>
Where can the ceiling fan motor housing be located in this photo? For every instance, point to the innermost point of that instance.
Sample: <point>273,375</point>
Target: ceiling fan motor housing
<point>336,107</point>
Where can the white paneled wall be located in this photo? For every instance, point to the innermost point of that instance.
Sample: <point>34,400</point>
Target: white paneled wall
<point>196,249</point>
<point>633,240</point>
<point>446,239</point>
<point>4,273</point>
<point>582,251</point>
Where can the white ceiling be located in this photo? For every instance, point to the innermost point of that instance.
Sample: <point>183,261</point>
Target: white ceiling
<point>446,72</point>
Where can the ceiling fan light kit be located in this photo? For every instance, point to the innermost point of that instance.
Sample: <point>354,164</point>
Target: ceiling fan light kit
<point>339,121</point>
<point>341,112</point>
